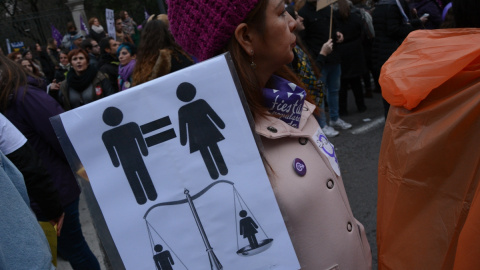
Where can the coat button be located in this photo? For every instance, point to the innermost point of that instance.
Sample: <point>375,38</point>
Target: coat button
<point>302,141</point>
<point>330,184</point>
<point>349,226</point>
<point>272,129</point>
<point>299,167</point>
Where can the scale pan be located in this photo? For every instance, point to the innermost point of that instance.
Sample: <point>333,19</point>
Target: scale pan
<point>262,246</point>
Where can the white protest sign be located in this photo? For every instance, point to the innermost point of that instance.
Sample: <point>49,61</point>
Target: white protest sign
<point>110,18</point>
<point>177,174</point>
<point>323,3</point>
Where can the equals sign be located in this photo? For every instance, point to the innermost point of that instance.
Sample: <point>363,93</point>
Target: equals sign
<point>159,137</point>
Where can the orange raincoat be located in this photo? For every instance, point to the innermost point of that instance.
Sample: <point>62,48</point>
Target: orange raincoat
<point>428,213</point>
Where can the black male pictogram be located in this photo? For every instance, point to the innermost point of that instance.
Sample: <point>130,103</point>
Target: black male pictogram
<point>126,147</point>
<point>199,125</point>
<point>163,259</point>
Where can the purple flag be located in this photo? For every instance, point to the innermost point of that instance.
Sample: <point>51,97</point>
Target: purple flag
<point>146,13</point>
<point>56,35</point>
<point>83,26</point>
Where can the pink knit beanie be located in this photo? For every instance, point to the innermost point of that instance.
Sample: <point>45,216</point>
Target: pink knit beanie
<point>204,27</point>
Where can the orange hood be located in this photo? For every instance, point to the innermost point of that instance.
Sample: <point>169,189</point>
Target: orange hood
<point>426,60</point>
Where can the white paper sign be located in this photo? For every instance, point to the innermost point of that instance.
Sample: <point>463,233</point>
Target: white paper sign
<point>110,18</point>
<point>177,174</point>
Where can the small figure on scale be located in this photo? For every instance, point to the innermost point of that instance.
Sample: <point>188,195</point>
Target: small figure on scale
<point>163,259</point>
<point>248,228</point>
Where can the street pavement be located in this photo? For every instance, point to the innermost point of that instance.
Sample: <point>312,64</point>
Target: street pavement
<point>357,150</point>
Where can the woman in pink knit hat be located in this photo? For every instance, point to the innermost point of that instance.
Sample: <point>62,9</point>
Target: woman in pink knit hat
<point>301,162</point>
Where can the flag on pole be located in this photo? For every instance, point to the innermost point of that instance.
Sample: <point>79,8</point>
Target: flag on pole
<point>56,35</point>
<point>83,26</point>
<point>146,13</point>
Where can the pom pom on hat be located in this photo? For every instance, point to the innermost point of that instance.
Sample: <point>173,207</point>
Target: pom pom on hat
<point>204,27</point>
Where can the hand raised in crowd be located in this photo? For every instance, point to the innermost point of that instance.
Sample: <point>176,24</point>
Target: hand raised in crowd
<point>54,86</point>
<point>327,48</point>
<point>58,222</point>
<point>424,19</point>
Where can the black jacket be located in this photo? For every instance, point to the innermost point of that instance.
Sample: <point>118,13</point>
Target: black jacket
<point>317,30</point>
<point>40,187</point>
<point>71,99</point>
<point>109,66</point>
<point>351,49</point>
<point>96,36</point>
<point>390,30</point>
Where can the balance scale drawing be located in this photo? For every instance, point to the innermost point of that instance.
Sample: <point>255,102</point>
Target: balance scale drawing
<point>247,226</point>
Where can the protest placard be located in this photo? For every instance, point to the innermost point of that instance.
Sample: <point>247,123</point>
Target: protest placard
<point>175,169</point>
<point>110,19</point>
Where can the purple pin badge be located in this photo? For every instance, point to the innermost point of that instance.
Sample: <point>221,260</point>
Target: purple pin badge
<point>299,167</point>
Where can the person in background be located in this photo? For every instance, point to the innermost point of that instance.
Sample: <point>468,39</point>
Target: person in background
<point>126,53</point>
<point>128,23</point>
<point>304,65</point>
<point>120,35</point>
<point>63,67</point>
<point>259,34</point>
<point>430,7</point>
<point>392,24</point>
<point>164,19</point>
<point>14,56</point>
<point>316,33</point>
<point>30,67</point>
<point>41,56</point>
<point>27,54</point>
<point>96,29</point>
<point>60,75</point>
<point>158,53</point>
<point>91,46</point>
<point>428,214</point>
<point>352,57</point>
<point>53,51</point>
<point>367,40</point>
<point>108,63</point>
<point>84,83</point>
<point>29,109</point>
<point>67,41</point>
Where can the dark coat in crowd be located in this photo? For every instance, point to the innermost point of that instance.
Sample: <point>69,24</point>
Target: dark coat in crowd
<point>96,36</point>
<point>48,67</point>
<point>317,30</point>
<point>109,66</point>
<point>390,30</point>
<point>351,49</point>
<point>72,96</point>
<point>30,111</point>
<point>431,7</point>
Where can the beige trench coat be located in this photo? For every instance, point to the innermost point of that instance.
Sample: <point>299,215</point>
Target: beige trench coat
<point>315,207</point>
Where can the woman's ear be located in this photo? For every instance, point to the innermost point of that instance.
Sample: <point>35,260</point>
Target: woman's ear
<point>243,35</point>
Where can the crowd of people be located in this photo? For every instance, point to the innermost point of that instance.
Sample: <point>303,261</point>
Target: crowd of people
<point>327,52</point>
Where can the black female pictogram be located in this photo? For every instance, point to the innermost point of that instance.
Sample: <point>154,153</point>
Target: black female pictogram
<point>248,228</point>
<point>199,124</point>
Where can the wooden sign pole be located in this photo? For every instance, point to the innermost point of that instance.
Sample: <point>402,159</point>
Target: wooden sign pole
<point>331,18</point>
